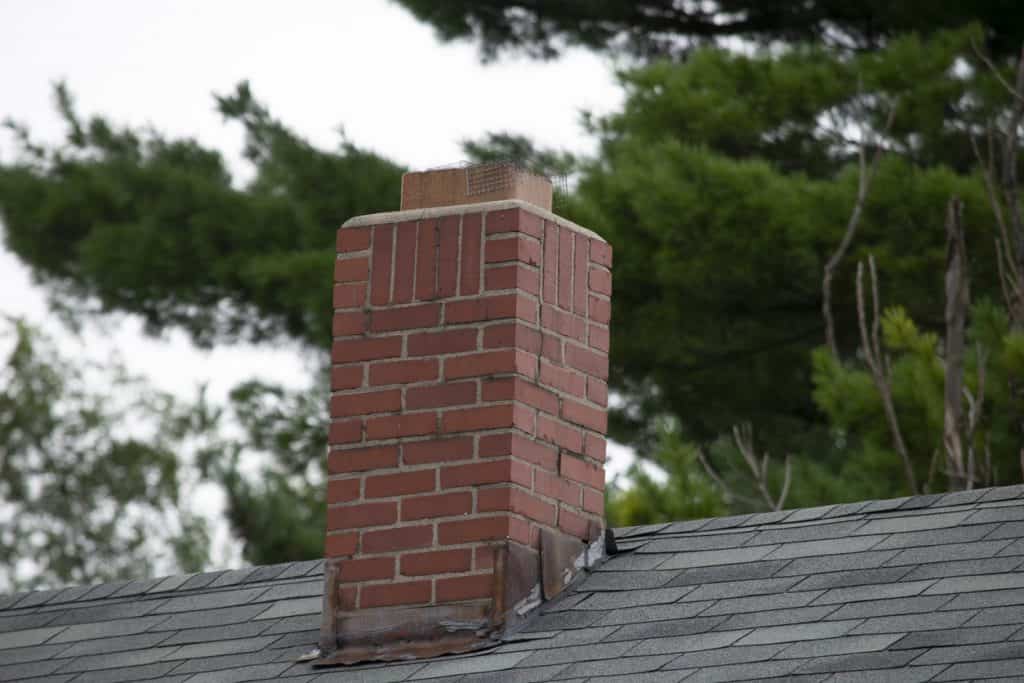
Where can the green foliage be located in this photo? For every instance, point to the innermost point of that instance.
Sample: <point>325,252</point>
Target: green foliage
<point>90,482</point>
<point>132,221</point>
<point>686,492</point>
<point>647,28</point>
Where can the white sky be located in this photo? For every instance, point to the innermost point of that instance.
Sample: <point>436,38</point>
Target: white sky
<point>365,65</point>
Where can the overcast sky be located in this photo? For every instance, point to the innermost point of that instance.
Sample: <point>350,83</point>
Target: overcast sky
<point>366,66</point>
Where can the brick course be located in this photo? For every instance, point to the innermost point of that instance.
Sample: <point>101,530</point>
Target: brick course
<point>468,399</point>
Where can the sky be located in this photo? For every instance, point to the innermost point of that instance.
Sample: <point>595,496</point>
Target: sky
<point>366,67</point>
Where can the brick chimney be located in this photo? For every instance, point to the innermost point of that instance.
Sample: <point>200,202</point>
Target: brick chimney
<point>468,414</point>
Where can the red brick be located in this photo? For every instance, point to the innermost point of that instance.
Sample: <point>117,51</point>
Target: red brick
<point>340,545</point>
<point>601,253</point>
<point>550,275</point>
<point>600,310</point>
<point>572,523</point>
<point>433,507</point>
<point>512,335</point>
<point>518,248</point>
<point>472,236</point>
<point>426,260</point>
<point>441,395</point>
<point>441,450</point>
<point>597,391</point>
<point>349,295</point>
<point>395,426</point>
<point>439,343</point>
<point>343,490</point>
<point>490,363</point>
<point>405,317</point>
<point>501,389</point>
<point>522,531</point>
<point>511,499</point>
<point>401,484</point>
<point>593,501</point>
<point>513,277</point>
<point>492,307</point>
<point>579,275</point>
<point>394,593</point>
<point>464,588</point>
<point>524,418</point>
<point>353,239</point>
<point>584,415</point>
<point>472,419</point>
<point>345,431</point>
<point>366,403</point>
<point>565,324</point>
<point>348,597</point>
<point>554,486</point>
<point>404,371</point>
<point>483,557</point>
<point>362,515</point>
<point>513,220</point>
<point>492,445</point>
<point>532,395</point>
<point>560,434</point>
<point>352,270</point>
<point>351,350</point>
<point>594,447</point>
<point>448,256</point>
<point>565,263</point>
<point>346,377</point>
<point>405,257</point>
<point>380,279</point>
<point>398,538</point>
<point>470,530</point>
<point>551,348</point>
<point>590,362</point>
<point>348,323</point>
<point>362,459</point>
<point>568,381</point>
<point>599,338</point>
<point>583,472</point>
<point>436,562</point>
<point>601,281</point>
<point>504,471</point>
<point>367,569</point>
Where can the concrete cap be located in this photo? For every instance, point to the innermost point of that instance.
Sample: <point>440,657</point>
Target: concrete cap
<point>474,184</point>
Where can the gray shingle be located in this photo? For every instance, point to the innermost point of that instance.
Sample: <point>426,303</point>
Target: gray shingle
<point>632,580</point>
<point>757,603</point>
<point>876,506</point>
<point>25,621</point>
<point>28,637</point>
<point>700,641</point>
<point>805,532</point>
<point>617,667</point>
<point>986,582</point>
<point>915,622</point>
<point>694,543</point>
<point>828,647</point>
<point>579,653</point>
<point>663,629</point>
<point>728,572</point>
<point>877,608</point>
<point>846,509</point>
<point>650,613</point>
<point>794,632</point>
<point>948,552</point>
<point>113,660</point>
<point>910,674</point>
<point>837,563</point>
<point>1003,493</point>
<point>873,592</point>
<point>30,653</point>
<point>210,600</point>
<point>369,674</point>
<point>147,672</point>
<point>249,629</point>
<point>650,596</point>
<point>739,589</point>
<point>986,599</point>
<point>717,523</point>
<point>312,588</point>
<point>1011,614</point>
<point>206,618</point>
<point>966,653</point>
<point>957,636</point>
<point>532,675</point>
<point>856,577</point>
<point>736,654</point>
<point>886,659</point>
<point>292,607</point>
<point>100,646</point>
<point>578,636</point>
<point>705,558</point>
<point>266,573</point>
<point>960,498</point>
<point>1014,530</point>
<point>221,647</point>
<point>742,672</point>
<point>836,546</point>
<point>941,570</point>
<point>798,615</point>
<point>632,562</point>
<point>997,514</point>
<point>1010,668</point>
<point>959,534</point>
<point>246,673</point>
<point>20,672</point>
<point>556,621</point>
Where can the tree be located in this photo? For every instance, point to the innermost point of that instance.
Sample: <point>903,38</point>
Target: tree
<point>657,28</point>
<point>90,481</point>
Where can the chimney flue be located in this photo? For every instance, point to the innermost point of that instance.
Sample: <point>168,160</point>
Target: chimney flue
<point>468,419</point>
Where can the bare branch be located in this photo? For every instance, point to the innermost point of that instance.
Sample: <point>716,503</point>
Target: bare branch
<point>865,177</point>
<point>879,371</point>
<point>995,70</point>
<point>957,300</point>
<point>743,437</point>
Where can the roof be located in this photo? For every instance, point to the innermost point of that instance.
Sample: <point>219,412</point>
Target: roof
<point>928,588</point>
